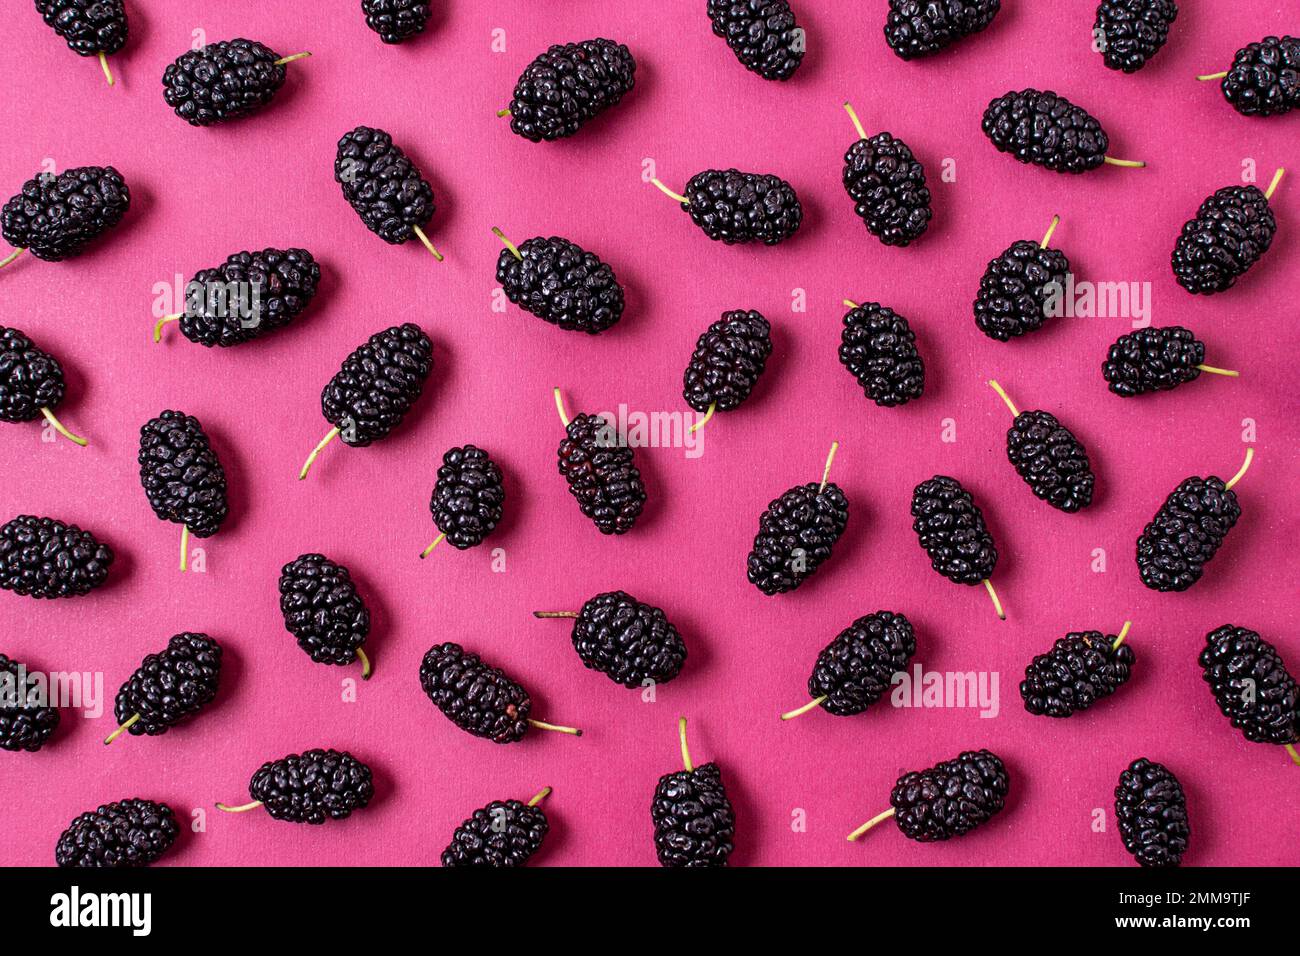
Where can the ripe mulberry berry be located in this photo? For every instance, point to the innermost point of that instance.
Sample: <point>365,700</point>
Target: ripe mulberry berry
<point>46,558</point>
<point>878,348</point>
<point>1053,463</point>
<point>762,33</point>
<point>127,833</point>
<point>947,800</point>
<point>89,27</point>
<point>182,476</point>
<point>1231,231</point>
<point>224,80</point>
<point>950,527</point>
<point>1021,288</point>
<point>26,719</point>
<point>1151,812</point>
<point>55,217</point>
<point>169,687</point>
<point>396,20</point>
<point>323,610</point>
<point>918,28</point>
<point>310,787</point>
<point>504,833</point>
<point>375,387</point>
<point>568,85</point>
<point>31,383</point>
<point>467,498</point>
<point>1264,79</point>
<point>1186,532</point>
<point>694,822</point>
<point>384,187</point>
<point>796,533</point>
<point>887,185</point>
<point>857,668</point>
<point>1079,670</point>
<point>560,282</point>
<point>478,698</point>
<point>247,296</point>
<point>735,207</point>
<point>1252,686</point>
<point>600,471</point>
<point>1155,360</point>
<point>727,361</point>
<point>1048,130</point>
<point>631,643</point>
<point>1132,31</point>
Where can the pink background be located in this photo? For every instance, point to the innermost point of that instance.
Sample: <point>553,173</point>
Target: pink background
<point>199,195</point>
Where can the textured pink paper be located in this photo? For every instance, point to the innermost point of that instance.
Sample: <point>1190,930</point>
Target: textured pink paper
<point>798,787</point>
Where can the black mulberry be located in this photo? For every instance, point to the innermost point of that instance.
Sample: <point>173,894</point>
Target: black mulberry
<point>878,348</point>
<point>384,187</point>
<point>46,558</point>
<point>728,359</point>
<point>560,282</point>
<point>323,610</point>
<point>310,787</point>
<point>629,642</point>
<point>224,80</point>
<point>479,699</point>
<point>796,534</point>
<point>736,207</point>
<point>1079,670</point>
<point>918,28</point>
<point>1185,533</point>
<point>694,822</point>
<point>1151,812</point>
<point>762,33</point>
<point>90,27</point>
<point>857,668</point>
<point>1130,32</point>
<point>1053,463</point>
<point>601,473</point>
<point>1021,289</point>
<point>467,497</point>
<point>951,529</point>
<point>54,217</point>
<point>504,833</point>
<point>947,800</point>
<point>126,833</point>
<point>31,382</point>
<point>396,20</point>
<point>181,474</point>
<point>1231,231</point>
<point>1153,360</point>
<point>1251,685</point>
<point>887,185</point>
<point>26,718</point>
<point>1047,130</point>
<point>169,687</point>
<point>568,85</point>
<point>1264,79</point>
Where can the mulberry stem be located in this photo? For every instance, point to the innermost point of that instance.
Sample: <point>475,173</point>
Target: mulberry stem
<point>419,233</point>
<point>850,303</point>
<point>311,459</point>
<point>11,257</point>
<point>800,711</point>
<point>365,664</point>
<point>103,65</point>
<point>540,796</point>
<point>878,818</point>
<point>185,547</point>
<point>1212,76</point>
<point>1250,456</point>
<point>58,427</point>
<point>121,730</point>
<point>504,112</point>
<point>686,753</point>
<point>559,407</point>
<point>1218,371</point>
<point>543,725</point>
<point>993,595</point>
<point>425,553</point>
<point>713,407</point>
<point>514,250</point>
<point>670,194</point>
<point>1290,748</point>
<point>1056,221</point>
<point>826,472</point>
<point>857,123</point>
<point>1015,413</point>
<point>289,59</point>
<point>158,326</point>
<point>1123,633</point>
<point>555,614</point>
<point>241,809</point>
<point>1127,163</point>
<point>1272,187</point>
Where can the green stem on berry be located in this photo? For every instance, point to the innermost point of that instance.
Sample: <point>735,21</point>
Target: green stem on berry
<point>1290,748</point>
<point>1218,371</point>
<point>365,664</point>
<point>58,427</point>
<point>1212,76</point>
<point>686,753</point>
<point>993,595</point>
<point>185,547</point>
<point>800,711</point>
<point>826,472</point>
<point>1250,456</point>
<point>11,257</point>
<point>103,65</point>
<point>241,809</point>
<point>1127,163</point>
<point>540,796</point>
<point>1123,633</point>
<point>158,326</point>
<point>504,112</point>
<point>514,250</point>
<point>713,407</point>
<point>559,407</point>
<point>670,194</point>
<point>543,725</point>
<point>1056,221</point>
<point>311,459</point>
<point>121,730</point>
<point>289,59</point>
<point>425,553</point>
<point>1272,187</point>
<point>555,614</point>
<point>1015,412</point>
<point>419,234</point>
<point>857,123</point>
<point>878,818</point>
<point>850,303</point>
